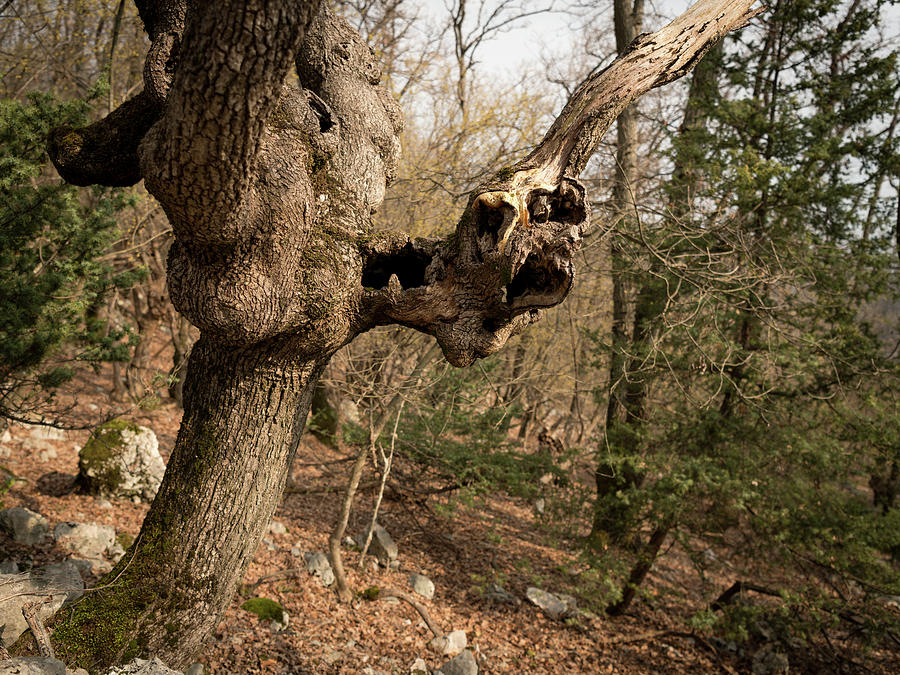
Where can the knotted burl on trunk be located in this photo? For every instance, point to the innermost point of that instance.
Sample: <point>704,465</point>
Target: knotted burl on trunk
<point>273,238</point>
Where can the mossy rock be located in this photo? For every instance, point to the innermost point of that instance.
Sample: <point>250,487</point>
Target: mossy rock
<point>265,609</point>
<point>120,460</point>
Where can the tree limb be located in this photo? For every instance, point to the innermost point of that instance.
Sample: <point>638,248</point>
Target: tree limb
<point>651,61</point>
<point>105,152</point>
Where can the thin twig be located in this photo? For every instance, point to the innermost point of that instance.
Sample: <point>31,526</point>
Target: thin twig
<point>387,460</point>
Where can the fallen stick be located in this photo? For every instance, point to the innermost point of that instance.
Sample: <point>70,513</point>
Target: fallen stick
<point>41,636</point>
<point>416,605</point>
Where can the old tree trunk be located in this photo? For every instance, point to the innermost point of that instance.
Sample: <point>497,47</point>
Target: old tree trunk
<point>269,188</point>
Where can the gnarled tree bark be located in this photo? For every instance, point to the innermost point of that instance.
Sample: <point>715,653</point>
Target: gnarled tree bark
<point>269,189</point>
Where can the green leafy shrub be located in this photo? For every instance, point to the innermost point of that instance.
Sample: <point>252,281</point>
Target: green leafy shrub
<point>52,275</point>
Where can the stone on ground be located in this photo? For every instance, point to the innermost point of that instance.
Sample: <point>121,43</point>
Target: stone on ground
<point>121,460</point>
<point>382,546</point>
<point>555,605</point>
<point>449,644</point>
<point>422,585</point>
<point>144,667</point>
<point>40,432</point>
<point>24,525</point>
<point>318,564</point>
<point>32,666</point>
<point>60,581</point>
<point>462,664</point>
<point>86,539</point>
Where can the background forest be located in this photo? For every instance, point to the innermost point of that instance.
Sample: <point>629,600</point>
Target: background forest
<point>719,389</point>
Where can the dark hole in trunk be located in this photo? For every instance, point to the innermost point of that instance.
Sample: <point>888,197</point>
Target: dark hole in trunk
<point>322,111</point>
<point>408,263</point>
<point>492,324</point>
<point>489,222</point>
<point>535,278</point>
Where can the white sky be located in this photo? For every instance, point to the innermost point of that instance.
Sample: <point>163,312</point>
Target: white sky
<point>521,47</point>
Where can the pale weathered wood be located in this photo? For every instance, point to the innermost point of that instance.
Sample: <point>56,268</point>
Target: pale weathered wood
<point>652,60</point>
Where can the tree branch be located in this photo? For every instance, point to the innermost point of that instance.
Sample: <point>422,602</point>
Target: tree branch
<point>513,250</point>
<point>105,152</point>
<point>651,61</point>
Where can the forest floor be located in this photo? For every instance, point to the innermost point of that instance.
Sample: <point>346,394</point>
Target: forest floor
<point>498,539</point>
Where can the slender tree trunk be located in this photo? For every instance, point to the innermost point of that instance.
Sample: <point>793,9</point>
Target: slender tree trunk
<point>244,413</point>
<point>610,520</point>
<point>640,571</point>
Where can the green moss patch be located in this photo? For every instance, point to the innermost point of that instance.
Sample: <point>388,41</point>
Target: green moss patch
<point>98,469</point>
<point>371,593</point>
<point>265,609</point>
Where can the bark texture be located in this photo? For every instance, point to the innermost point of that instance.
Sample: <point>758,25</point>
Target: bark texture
<point>269,189</point>
<point>245,410</point>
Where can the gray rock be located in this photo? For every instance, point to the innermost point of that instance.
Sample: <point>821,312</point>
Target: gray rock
<point>9,567</point>
<point>540,506</point>
<point>25,526</point>
<point>115,552</point>
<point>296,552</point>
<point>419,667</point>
<point>77,671</point>
<point>61,581</point>
<point>40,432</point>
<point>422,585</point>
<point>318,564</point>
<point>121,460</point>
<point>194,669</point>
<point>32,666</point>
<point>91,566</point>
<point>104,504</point>
<point>462,664</point>
<point>277,528</point>
<point>570,603</point>
<point>89,540</point>
<point>36,445</point>
<point>6,436</point>
<point>382,546</point>
<point>555,606</point>
<point>450,644</point>
<point>143,667</point>
<point>279,626</point>
<point>497,593</point>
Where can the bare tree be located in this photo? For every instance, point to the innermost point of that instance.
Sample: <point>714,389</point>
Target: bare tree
<point>269,189</point>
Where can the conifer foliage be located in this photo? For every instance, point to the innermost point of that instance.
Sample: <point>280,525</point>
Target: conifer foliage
<point>52,275</point>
